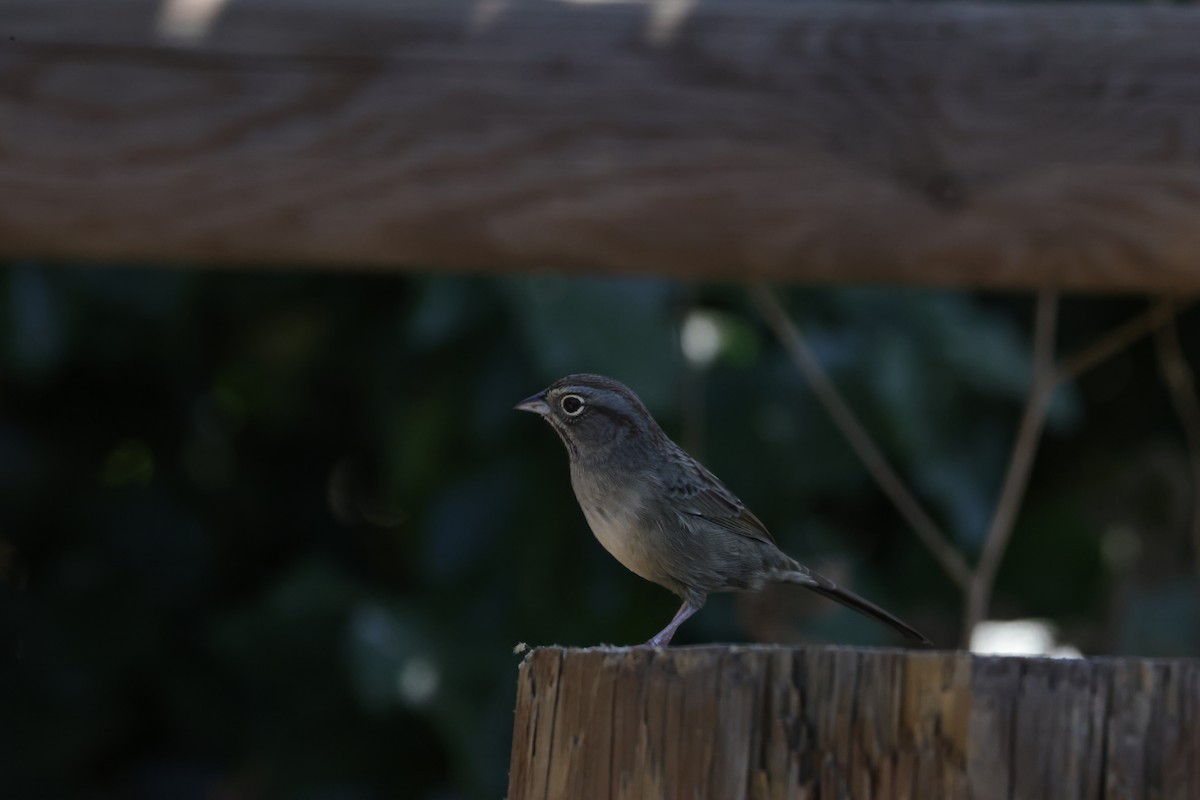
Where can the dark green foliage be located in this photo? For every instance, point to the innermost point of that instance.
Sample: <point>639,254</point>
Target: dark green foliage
<point>276,535</point>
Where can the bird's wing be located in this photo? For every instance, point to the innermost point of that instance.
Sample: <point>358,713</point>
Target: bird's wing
<point>697,492</point>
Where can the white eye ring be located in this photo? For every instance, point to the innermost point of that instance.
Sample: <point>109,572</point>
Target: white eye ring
<point>577,410</point>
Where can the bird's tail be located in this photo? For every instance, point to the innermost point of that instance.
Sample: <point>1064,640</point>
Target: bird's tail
<point>799,574</point>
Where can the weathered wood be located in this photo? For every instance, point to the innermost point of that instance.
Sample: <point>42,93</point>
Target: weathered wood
<point>775,722</point>
<point>981,145</point>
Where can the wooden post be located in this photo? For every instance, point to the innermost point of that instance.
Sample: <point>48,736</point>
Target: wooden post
<point>823,722</point>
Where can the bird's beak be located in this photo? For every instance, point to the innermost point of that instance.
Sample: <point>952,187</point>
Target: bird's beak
<point>536,404</point>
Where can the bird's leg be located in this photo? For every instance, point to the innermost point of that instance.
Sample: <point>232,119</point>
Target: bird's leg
<point>663,637</point>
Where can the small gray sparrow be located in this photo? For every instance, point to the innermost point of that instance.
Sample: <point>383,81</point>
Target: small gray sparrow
<point>662,514</point>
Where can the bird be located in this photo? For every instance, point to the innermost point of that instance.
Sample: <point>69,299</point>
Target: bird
<point>660,512</point>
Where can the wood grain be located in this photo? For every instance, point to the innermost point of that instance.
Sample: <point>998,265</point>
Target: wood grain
<point>771,723</point>
<point>972,145</point>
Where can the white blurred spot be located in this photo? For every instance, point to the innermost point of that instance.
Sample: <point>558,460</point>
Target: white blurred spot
<point>417,681</point>
<point>188,20</point>
<point>700,338</point>
<point>520,648</point>
<point>666,16</point>
<point>1020,637</point>
<point>485,12</point>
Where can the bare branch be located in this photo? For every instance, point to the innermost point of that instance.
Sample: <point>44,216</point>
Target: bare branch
<point>1020,463</point>
<point>947,555</point>
<point>978,584</point>
<point>1116,340</point>
<point>1181,384</point>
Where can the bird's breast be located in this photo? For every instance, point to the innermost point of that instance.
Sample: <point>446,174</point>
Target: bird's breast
<point>616,516</point>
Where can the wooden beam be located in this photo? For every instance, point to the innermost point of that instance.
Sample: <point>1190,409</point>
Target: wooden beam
<point>970,145</point>
<point>775,722</point>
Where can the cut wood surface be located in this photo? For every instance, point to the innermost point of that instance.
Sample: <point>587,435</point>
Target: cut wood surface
<point>972,145</point>
<point>820,722</point>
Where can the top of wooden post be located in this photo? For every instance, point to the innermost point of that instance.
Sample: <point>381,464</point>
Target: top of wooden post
<point>767,722</point>
<point>967,145</point>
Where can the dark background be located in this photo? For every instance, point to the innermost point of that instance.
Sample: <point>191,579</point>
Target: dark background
<point>277,534</point>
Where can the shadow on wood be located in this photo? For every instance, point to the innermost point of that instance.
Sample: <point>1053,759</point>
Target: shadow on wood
<point>820,722</point>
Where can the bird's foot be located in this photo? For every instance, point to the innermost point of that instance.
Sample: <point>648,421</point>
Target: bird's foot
<point>663,637</point>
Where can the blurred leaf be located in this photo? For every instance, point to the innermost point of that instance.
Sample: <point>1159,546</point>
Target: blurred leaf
<point>413,435</point>
<point>987,351</point>
<point>389,660</point>
<point>468,521</point>
<point>1151,622</point>
<point>37,321</point>
<point>965,480</point>
<point>151,295</point>
<point>624,329</point>
<point>131,461</point>
<point>1065,414</point>
<point>446,308</point>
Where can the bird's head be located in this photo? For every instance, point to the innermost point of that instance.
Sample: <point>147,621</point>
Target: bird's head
<point>592,413</point>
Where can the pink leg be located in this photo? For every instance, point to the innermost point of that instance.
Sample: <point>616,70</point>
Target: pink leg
<point>663,637</point>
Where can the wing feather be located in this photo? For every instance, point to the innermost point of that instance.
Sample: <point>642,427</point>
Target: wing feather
<point>698,492</point>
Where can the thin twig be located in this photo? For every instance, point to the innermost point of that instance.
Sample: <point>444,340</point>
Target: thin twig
<point>1016,479</point>
<point>950,559</point>
<point>1116,340</point>
<point>1181,385</point>
<point>978,584</point>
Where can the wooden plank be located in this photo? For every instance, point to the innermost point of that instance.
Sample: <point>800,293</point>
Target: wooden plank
<point>973,145</point>
<point>528,773</point>
<point>809,722</point>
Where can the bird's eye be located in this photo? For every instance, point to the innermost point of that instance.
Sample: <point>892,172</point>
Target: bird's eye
<point>572,405</point>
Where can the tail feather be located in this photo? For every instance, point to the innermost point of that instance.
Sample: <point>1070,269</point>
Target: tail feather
<point>827,588</point>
